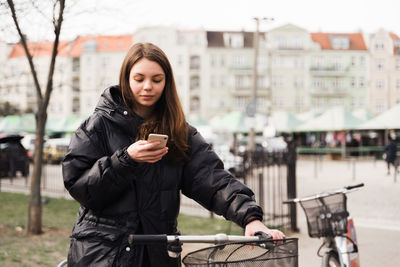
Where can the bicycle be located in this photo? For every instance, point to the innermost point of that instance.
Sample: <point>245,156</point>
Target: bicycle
<point>228,251</point>
<point>327,217</point>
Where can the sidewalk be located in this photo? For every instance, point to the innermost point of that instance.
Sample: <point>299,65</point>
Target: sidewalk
<point>374,208</point>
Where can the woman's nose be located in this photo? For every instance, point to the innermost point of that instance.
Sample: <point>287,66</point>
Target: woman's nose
<point>147,85</point>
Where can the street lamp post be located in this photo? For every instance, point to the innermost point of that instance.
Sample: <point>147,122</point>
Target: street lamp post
<point>252,106</point>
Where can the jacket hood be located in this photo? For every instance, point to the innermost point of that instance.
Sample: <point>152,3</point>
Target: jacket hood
<point>111,106</point>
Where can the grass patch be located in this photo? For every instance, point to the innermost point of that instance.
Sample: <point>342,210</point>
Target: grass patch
<point>17,248</point>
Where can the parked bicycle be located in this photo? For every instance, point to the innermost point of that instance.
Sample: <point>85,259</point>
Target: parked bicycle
<point>228,251</point>
<point>327,217</point>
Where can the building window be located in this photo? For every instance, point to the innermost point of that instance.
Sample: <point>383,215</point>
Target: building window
<point>380,64</point>
<point>179,80</point>
<point>353,82</point>
<point>105,62</point>
<point>235,40</point>
<point>222,81</point>
<point>75,64</point>
<point>353,102</point>
<point>277,82</point>
<point>398,85</point>
<point>75,105</point>
<point>379,44</point>
<point>212,81</point>
<point>195,103</point>
<point>297,42</point>
<point>298,82</point>
<point>242,81</point>
<point>340,42</point>
<point>261,82</point>
<point>180,60</point>
<point>75,85</point>
<point>240,102</point>
<point>194,62</point>
<point>380,105</point>
<point>281,41</point>
<point>380,84</point>
<point>397,64</point>
<point>194,83</point>
<point>353,61</point>
<point>337,83</point>
<point>181,39</point>
<point>213,60</point>
<point>361,82</point>
<point>362,61</point>
<point>238,61</point>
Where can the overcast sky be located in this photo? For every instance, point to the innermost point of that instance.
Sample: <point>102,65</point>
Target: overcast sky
<point>125,16</point>
<point>314,15</point>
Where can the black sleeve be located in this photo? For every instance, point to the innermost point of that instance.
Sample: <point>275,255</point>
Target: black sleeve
<point>206,181</point>
<point>91,177</point>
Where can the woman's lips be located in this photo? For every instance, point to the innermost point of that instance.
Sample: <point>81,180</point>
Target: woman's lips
<point>147,97</point>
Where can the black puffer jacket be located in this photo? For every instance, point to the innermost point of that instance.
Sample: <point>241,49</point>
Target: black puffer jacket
<point>119,197</point>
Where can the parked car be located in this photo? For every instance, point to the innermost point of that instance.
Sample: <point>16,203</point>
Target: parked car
<point>29,143</point>
<point>13,156</point>
<point>232,163</point>
<point>54,149</point>
<point>263,144</point>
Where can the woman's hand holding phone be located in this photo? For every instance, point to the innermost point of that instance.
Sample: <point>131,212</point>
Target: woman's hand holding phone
<point>147,151</point>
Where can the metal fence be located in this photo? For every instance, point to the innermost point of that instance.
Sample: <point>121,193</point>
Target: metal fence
<point>51,182</point>
<point>270,175</point>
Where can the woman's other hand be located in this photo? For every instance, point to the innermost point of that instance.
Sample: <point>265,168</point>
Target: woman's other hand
<point>140,151</point>
<point>256,226</point>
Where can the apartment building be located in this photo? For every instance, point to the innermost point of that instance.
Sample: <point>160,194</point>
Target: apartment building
<point>17,81</point>
<point>96,63</point>
<point>289,49</point>
<point>186,51</point>
<point>84,68</point>
<point>339,71</point>
<point>297,70</point>
<point>384,48</point>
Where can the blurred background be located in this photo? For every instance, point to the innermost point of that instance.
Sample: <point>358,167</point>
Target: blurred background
<point>291,94</point>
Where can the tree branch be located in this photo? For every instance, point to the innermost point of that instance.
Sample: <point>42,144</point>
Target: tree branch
<point>57,30</point>
<point>25,46</point>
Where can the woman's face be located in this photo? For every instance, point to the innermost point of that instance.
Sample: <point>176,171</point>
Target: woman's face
<point>147,82</point>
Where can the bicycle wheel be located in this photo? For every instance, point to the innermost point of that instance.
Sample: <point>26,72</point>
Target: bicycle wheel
<point>330,259</point>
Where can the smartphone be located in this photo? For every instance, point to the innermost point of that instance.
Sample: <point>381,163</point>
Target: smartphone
<point>158,137</point>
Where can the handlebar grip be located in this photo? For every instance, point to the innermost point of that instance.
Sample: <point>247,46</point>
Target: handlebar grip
<point>354,186</point>
<point>289,201</point>
<point>262,235</point>
<point>147,239</point>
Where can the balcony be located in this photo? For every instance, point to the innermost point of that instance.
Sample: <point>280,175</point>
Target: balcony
<point>328,91</point>
<point>332,70</point>
<point>248,91</point>
<point>242,68</point>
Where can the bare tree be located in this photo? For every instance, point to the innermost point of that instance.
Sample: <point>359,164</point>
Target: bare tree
<point>43,98</point>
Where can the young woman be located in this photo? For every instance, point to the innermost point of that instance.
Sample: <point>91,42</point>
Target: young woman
<point>126,187</point>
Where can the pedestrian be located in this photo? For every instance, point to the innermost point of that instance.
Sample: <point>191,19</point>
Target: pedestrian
<point>391,154</point>
<point>12,151</point>
<point>124,187</point>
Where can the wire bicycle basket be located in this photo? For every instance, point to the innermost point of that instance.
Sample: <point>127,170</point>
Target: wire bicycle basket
<point>271,252</point>
<point>326,215</point>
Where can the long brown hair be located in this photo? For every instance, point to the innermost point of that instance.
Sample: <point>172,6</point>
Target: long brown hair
<point>168,117</point>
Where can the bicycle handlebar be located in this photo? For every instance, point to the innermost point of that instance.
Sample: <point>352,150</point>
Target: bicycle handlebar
<point>343,190</point>
<point>213,239</point>
<point>354,186</point>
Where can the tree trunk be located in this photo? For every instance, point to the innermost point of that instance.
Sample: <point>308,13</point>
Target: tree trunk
<point>35,202</point>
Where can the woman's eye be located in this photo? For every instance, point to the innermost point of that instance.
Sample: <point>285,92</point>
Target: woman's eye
<point>157,81</point>
<point>139,80</point>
